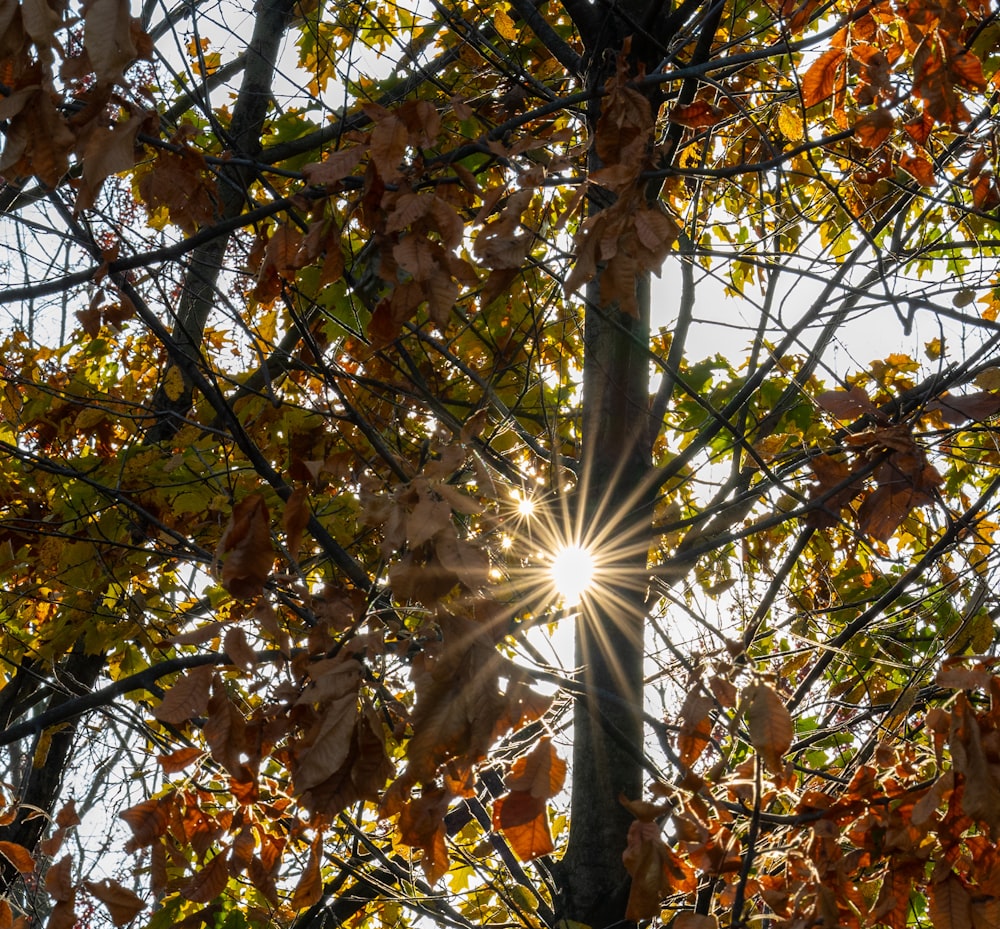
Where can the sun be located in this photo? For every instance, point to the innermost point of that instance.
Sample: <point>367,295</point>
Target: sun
<point>572,573</point>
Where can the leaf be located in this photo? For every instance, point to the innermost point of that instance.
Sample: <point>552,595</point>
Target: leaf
<point>541,772</point>
<point>187,696</point>
<point>697,115</point>
<point>845,404</point>
<point>770,725</point>
<point>62,916</point>
<point>18,856</point>
<point>504,26</point>
<point>180,759</point>
<point>309,889</point>
<point>696,726</point>
<point>335,167</point>
<point>826,74</point>
<point>59,880</point>
<point>956,410</point>
<point>524,822</point>
<point>950,905</point>
<point>123,904</point>
<point>246,543</point>
<point>238,649</point>
<point>147,820</point>
<point>643,858</point>
<point>389,141</point>
<point>67,816</point>
<point>206,884</point>
<point>108,38</point>
<point>919,168</point>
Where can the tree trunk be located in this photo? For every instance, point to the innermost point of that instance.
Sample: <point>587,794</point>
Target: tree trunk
<point>607,720</point>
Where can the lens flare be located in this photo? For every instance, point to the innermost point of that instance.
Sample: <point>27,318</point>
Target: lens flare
<point>572,573</point>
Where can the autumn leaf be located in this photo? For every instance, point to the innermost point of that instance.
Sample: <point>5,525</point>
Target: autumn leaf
<point>180,759</point>
<point>187,696</point>
<point>825,75</point>
<point>523,820</point>
<point>846,404</point>
<point>147,820</point>
<point>18,856</point>
<point>956,410</point>
<point>770,725</point>
<point>208,882</point>
<point>540,773</point>
<point>123,904</point>
<point>59,880</point>
<point>309,889</point>
<point>696,726</point>
<point>246,545</point>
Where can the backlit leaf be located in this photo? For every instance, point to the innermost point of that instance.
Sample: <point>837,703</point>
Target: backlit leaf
<point>770,725</point>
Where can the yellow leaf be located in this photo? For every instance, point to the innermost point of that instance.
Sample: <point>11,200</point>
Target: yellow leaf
<point>173,383</point>
<point>504,25</point>
<point>790,124</point>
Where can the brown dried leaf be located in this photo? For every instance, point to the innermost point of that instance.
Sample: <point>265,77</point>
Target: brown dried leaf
<point>123,905</point>
<point>770,725</point>
<point>67,816</point>
<point>108,38</point>
<point>180,759</point>
<point>246,543</point>
<point>335,167</point>
<point>524,822</point>
<point>148,821</point>
<point>59,880</point>
<point>950,904</point>
<point>845,404</point>
<point>63,916</point>
<point>187,697</point>
<point>309,889</point>
<point>209,882</point>
<point>956,410</point>
<point>696,726</point>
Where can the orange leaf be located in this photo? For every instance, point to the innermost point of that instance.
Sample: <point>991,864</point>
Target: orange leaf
<point>819,81</point>
<point>644,859</point>
<point>770,725</point>
<point>246,543</point>
<point>872,130</point>
<point>919,168</point>
<point>6,915</point>
<point>187,697</point>
<point>123,905</point>
<point>179,760</point>
<point>698,115</point>
<point>209,882</point>
<point>541,772</point>
<point>696,726</point>
<point>523,820</point>
<point>18,856</point>
<point>147,820</point>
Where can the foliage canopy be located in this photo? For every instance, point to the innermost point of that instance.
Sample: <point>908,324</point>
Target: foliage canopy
<point>332,322</point>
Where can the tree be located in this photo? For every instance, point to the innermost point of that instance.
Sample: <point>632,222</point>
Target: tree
<point>364,332</point>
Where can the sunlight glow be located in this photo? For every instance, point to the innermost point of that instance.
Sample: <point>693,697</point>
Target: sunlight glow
<point>526,506</point>
<point>572,573</point>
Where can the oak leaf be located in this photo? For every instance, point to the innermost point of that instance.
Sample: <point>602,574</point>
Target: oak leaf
<point>123,904</point>
<point>246,543</point>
